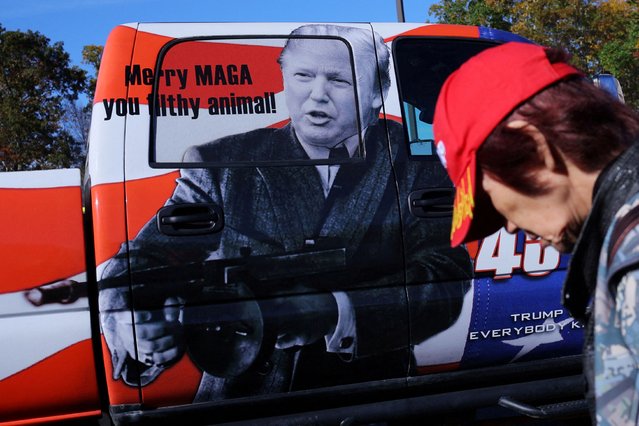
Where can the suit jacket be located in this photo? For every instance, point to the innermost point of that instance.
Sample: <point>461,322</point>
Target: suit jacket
<point>272,210</point>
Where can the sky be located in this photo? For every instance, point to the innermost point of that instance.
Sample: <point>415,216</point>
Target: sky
<point>77,23</point>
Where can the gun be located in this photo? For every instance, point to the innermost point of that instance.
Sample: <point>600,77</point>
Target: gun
<point>238,334</point>
<point>228,327</point>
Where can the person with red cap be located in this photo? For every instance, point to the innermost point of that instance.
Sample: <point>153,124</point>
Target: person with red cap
<point>531,144</point>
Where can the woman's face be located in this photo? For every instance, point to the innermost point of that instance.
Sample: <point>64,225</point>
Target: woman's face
<point>557,214</point>
<point>554,217</point>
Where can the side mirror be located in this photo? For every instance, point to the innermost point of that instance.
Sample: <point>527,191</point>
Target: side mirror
<point>610,84</point>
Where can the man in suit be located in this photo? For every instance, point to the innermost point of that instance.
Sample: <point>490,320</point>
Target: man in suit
<point>347,322</point>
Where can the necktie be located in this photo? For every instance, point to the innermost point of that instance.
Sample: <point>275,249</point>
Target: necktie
<point>338,153</point>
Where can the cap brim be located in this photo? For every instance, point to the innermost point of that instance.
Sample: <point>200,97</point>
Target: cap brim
<point>474,216</point>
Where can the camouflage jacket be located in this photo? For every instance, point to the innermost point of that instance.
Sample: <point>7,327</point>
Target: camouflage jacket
<point>616,188</point>
<point>617,321</point>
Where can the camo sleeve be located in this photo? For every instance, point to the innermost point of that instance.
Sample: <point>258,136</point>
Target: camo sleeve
<point>617,331</point>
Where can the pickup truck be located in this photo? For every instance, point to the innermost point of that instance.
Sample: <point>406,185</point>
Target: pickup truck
<point>261,235</point>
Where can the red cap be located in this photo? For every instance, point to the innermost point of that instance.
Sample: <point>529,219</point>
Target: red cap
<point>472,102</point>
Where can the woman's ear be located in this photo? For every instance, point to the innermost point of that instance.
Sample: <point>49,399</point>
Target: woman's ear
<point>543,150</point>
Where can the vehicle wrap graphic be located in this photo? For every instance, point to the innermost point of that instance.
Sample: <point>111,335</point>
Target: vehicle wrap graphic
<point>47,354</point>
<point>509,312</point>
<point>206,99</point>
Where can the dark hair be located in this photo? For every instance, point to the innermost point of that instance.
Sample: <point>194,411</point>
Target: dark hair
<point>579,121</point>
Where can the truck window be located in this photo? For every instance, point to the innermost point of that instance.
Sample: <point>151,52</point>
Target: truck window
<point>206,89</point>
<point>422,65</point>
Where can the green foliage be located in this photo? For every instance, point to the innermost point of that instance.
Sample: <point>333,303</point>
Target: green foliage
<point>619,47</point>
<point>35,81</point>
<point>92,55</point>
<point>493,14</point>
<point>602,35</point>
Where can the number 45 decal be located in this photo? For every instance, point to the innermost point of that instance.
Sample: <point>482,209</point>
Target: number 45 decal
<point>498,254</point>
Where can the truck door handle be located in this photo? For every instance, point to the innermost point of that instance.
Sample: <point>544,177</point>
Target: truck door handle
<point>190,219</point>
<point>431,203</point>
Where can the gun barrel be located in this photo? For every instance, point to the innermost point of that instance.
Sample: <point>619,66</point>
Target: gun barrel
<point>65,292</point>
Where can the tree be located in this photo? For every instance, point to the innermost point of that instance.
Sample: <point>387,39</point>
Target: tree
<point>77,117</point>
<point>602,35</point>
<point>92,55</point>
<point>36,79</point>
<point>76,122</point>
<point>493,14</point>
<point>618,22</point>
